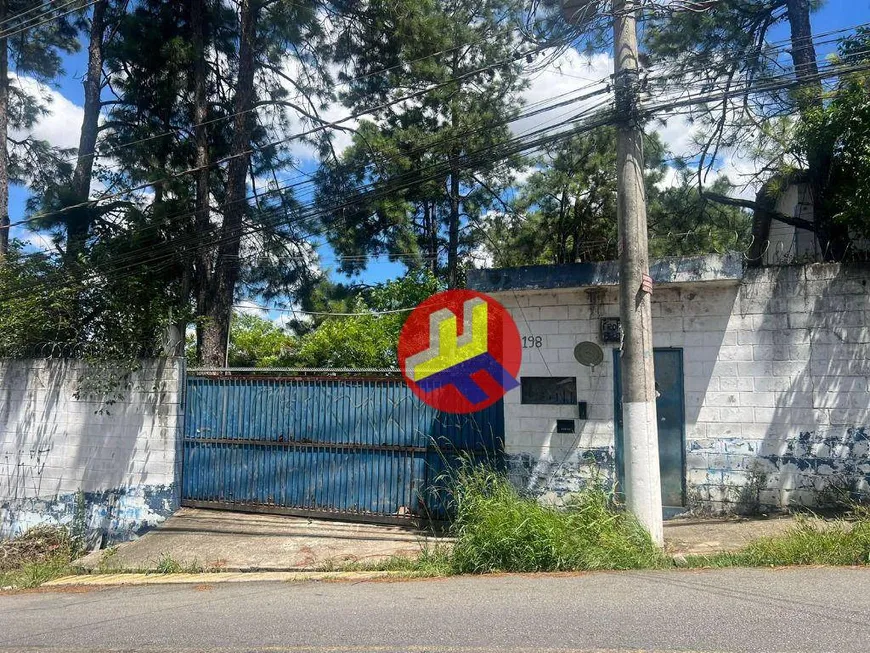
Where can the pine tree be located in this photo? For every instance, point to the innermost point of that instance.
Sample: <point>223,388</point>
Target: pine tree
<point>31,49</point>
<point>722,49</point>
<point>431,48</point>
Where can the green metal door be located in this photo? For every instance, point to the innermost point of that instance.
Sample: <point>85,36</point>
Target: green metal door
<point>670,411</point>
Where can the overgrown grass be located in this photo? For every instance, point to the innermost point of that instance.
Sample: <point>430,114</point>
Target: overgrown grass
<point>808,542</point>
<point>497,529</point>
<point>40,555</point>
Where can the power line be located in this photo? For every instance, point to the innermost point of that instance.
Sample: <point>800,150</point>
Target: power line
<point>539,143</point>
<point>252,150</point>
<point>666,106</point>
<point>36,8</point>
<point>6,35</point>
<point>379,191</point>
<point>542,107</point>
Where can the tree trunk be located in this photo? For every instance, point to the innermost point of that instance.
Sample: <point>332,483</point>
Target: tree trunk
<point>430,227</point>
<point>78,220</point>
<point>453,228</point>
<point>202,262</point>
<point>833,239</point>
<point>223,285</point>
<point>4,127</point>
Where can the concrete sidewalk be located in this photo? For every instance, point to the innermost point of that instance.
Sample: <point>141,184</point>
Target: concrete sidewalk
<point>231,541</point>
<point>709,535</point>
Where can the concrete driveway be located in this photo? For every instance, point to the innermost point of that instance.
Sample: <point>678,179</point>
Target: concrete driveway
<point>248,542</point>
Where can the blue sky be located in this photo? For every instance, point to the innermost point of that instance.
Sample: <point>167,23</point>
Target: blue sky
<point>836,14</point>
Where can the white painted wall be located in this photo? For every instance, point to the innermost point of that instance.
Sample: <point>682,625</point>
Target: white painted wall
<point>787,243</point>
<point>784,353</point>
<point>71,430</point>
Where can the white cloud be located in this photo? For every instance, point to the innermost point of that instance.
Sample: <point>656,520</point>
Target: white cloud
<point>62,126</point>
<point>569,75</point>
<point>572,74</point>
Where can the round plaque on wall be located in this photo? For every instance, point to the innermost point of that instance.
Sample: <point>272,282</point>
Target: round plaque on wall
<point>588,354</point>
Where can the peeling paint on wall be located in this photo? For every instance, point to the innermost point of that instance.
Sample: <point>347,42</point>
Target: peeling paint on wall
<point>820,468</point>
<point>106,517</point>
<point>552,479</point>
<point>776,371</point>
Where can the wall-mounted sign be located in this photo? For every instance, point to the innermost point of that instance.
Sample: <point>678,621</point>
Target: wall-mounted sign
<point>552,390</point>
<point>611,330</point>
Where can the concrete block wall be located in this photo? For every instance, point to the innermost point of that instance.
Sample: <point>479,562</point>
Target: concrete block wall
<point>776,371</point>
<point>93,444</point>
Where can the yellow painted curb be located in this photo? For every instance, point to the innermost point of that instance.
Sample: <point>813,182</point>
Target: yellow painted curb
<point>212,578</point>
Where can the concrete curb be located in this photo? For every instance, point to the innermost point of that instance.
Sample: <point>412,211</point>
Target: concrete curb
<point>95,580</point>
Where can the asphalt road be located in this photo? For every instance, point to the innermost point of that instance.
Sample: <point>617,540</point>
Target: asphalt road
<point>730,610</point>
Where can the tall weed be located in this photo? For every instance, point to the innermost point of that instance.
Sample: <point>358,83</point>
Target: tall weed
<point>498,529</point>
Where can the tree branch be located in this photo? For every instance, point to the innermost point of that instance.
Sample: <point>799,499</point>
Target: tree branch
<point>798,223</point>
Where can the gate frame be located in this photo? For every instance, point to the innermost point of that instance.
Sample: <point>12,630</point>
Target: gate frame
<point>415,521</point>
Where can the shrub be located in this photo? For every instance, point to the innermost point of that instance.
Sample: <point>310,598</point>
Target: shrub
<point>41,554</point>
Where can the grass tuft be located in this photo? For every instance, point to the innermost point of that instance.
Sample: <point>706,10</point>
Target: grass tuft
<point>169,565</point>
<point>497,529</point>
<point>41,554</point>
<point>808,542</point>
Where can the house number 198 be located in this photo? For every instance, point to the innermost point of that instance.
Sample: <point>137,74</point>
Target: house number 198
<point>530,342</point>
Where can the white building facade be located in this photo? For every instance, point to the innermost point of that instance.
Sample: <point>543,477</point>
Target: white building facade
<point>762,376</point>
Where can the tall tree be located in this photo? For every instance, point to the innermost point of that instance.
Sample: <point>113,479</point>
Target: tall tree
<point>198,18</point>
<point>421,154</point>
<point>78,222</point>
<point>31,49</point>
<point>219,306</point>
<point>276,74</point>
<point>723,47</point>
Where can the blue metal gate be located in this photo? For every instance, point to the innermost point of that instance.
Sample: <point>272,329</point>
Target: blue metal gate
<point>355,447</point>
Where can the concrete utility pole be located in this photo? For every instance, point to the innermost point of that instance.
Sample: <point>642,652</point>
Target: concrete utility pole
<point>640,430</point>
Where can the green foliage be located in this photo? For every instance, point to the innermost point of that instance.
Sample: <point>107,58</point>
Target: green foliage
<point>37,54</point>
<point>497,529</point>
<point>258,342</point>
<point>809,542</point>
<point>33,311</point>
<point>43,312</point>
<point>366,337</point>
<point>411,175</point>
<point>683,223</point>
<point>843,126</point>
<point>366,340</point>
<point>566,211</point>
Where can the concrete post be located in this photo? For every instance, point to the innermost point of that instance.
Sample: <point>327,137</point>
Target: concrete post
<point>642,476</point>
